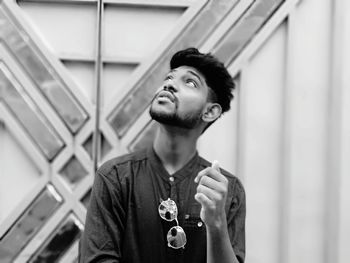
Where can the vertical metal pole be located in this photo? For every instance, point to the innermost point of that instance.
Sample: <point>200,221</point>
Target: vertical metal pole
<point>98,72</point>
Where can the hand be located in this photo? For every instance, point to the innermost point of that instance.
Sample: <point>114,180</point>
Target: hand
<point>211,194</point>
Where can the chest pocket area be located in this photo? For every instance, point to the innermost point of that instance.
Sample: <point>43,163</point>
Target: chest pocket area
<point>193,225</point>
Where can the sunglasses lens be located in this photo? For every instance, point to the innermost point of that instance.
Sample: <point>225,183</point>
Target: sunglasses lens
<point>176,237</point>
<point>168,210</point>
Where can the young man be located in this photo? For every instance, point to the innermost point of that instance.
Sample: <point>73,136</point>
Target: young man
<point>167,204</point>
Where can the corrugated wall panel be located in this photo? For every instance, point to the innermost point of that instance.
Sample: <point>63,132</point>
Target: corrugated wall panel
<point>343,250</point>
<point>262,101</point>
<point>308,87</point>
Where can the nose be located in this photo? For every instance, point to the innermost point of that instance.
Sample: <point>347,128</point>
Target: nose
<point>169,86</point>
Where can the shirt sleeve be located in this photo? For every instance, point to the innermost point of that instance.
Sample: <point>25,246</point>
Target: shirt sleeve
<point>105,222</point>
<point>236,221</point>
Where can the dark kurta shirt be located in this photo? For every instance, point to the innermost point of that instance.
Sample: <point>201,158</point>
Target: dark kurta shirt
<point>123,223</point>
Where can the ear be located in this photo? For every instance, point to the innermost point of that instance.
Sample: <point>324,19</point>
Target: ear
<point>212,111</point>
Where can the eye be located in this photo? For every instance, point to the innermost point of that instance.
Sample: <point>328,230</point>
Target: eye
<point>168,77</point>
<point>191,82</point>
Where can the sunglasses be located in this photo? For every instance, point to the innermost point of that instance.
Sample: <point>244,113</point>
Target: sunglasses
<point>176,235</point>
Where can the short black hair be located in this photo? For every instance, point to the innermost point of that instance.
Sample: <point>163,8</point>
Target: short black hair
<point>215,73</point>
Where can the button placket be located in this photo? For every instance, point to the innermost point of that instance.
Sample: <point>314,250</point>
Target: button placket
<point>172,188</point>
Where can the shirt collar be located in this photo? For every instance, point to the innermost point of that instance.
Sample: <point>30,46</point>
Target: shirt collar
<point>188,170</point>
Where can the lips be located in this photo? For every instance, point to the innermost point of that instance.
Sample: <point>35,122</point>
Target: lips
<point>166,94</point>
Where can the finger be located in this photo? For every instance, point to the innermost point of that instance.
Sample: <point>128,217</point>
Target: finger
<point>208,192</point>
<point>215,165</point>
<point>211,172</point>
<point>212,184</point>
<point>203,200</point>
<point>201,174</point>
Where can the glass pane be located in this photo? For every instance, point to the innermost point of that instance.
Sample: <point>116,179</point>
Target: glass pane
<point>86,198</point>
<point>246,28</point>
<point>29,114</point>
<point>130,108</point>
<point>29,224</point>
<point>88,145</point>
<point>43,75</point>
<point>104,144</point>
<point>73,172</point>
<point>60,241</point>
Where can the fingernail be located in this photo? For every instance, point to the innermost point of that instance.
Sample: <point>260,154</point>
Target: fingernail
<point>215,164</point>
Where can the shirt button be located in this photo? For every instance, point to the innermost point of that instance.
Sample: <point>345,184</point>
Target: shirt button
<point>171,179</point>
<point>199,224</point>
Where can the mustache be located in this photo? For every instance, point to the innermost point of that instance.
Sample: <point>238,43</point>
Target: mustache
<point>167,90</point>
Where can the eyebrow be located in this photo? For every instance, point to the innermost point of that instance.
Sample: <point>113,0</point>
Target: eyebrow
<point>191,72</point>
<point>195,74</point>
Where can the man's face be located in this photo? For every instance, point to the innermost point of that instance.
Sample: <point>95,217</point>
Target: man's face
<point>182,99</point>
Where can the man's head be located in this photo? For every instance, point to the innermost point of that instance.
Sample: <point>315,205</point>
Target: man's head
<point>215,73</point>
<point>198,89</point>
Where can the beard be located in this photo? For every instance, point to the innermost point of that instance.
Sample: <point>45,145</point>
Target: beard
<point>187,121</point>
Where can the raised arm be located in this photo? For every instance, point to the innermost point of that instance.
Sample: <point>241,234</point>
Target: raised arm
<point>225,232</point>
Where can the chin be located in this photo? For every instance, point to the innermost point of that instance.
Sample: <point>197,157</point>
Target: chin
<point>173,120</point>
<point>161,115</point>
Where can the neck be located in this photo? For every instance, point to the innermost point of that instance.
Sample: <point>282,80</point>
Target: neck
<point>175,146</point>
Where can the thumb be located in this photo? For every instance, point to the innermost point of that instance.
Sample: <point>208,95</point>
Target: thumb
<point>216,165</point>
